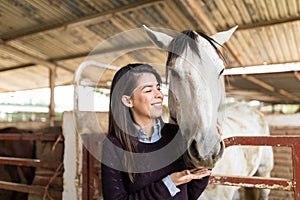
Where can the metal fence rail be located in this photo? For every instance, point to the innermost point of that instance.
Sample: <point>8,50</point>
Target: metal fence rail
<point>259,182</point>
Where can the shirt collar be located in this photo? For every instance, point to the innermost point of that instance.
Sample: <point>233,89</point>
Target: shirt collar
<point>156,135</point>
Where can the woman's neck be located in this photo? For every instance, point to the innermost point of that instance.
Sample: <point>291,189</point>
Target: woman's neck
<point>147,126</point>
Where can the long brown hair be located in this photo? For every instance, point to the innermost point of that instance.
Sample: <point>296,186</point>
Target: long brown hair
<point>121,123</point>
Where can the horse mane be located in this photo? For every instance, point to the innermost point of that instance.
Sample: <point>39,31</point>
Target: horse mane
<point>188,38</point>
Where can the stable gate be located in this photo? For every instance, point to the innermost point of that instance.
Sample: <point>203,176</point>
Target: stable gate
<point>259,182</point>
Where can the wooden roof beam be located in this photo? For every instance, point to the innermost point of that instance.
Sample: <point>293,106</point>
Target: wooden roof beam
<point>32,59</point>
<point>297,75</point>
<point>96,18</point>
<point>270,88</point>
<point>289,95</point>
<point>259,83</point>
<point>269,23</point>
<point>26,56</point>
<point>74,56</point>
<point>4,69</point>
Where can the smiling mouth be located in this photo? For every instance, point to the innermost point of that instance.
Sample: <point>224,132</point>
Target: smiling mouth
<point>157,105</point>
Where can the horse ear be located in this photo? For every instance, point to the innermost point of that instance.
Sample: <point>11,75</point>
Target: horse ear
<point>224,36</point>
<point>161,40</point>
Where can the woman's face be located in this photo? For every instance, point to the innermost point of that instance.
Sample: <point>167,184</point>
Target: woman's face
<point>146,100</point>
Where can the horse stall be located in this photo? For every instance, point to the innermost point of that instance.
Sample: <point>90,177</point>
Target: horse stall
<point>82,166</point>
<point>31,161</point>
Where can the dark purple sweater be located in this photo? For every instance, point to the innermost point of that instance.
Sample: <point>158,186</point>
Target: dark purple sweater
<point>148,185</point>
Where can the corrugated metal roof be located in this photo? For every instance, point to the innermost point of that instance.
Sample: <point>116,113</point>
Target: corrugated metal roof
<point>37,35</point>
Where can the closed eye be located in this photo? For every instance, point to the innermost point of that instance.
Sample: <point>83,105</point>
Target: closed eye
<point>149,89</point>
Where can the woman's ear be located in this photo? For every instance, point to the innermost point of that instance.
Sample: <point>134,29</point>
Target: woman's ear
<point>127,101</point>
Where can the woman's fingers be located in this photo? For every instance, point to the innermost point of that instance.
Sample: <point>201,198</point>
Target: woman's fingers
<point>182,177</point>
<point>186,176</point>
<point>199,173</point>
<point>195,170</point>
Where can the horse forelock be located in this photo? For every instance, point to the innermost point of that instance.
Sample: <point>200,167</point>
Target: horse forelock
<point>188,38</point>
<point>179,44</point>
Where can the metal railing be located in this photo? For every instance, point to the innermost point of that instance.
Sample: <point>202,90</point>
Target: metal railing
<point>260,182</point>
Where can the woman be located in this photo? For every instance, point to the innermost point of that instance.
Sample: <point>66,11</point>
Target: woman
<point>134,154</point>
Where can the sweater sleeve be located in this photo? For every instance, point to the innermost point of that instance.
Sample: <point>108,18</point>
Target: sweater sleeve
<point>113,182</point>
<point>196,187</point>
<point>171,186</point>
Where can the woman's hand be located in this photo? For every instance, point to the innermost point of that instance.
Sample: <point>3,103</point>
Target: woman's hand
<point>186,176</point>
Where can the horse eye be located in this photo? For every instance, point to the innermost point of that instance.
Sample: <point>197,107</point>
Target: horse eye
<point>221,72</point>
<point>174,72</point>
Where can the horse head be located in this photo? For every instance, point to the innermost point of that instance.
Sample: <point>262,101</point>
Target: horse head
<point>196,90</point>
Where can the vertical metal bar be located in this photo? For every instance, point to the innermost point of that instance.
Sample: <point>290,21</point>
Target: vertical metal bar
<point>296,169</point>
<point>91,169</point>
<point>85,174</point>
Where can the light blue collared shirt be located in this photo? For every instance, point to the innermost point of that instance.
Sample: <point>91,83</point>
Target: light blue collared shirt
<point>156,135</point>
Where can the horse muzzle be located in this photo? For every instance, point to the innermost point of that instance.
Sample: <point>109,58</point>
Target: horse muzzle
<point>195,158</point>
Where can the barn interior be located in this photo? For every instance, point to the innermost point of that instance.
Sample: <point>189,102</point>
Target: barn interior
<point>43,43</point>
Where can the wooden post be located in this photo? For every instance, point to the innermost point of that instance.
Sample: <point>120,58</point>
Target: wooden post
<point>52,74</point>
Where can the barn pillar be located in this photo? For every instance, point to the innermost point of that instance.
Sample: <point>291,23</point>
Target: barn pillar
<point>52,76</point>
<point>72,177</point>
<point>84,133</point>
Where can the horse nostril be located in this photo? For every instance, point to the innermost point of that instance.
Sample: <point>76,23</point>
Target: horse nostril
<point>194,144</point>
<point>218,153</point>
<point>193,149</point>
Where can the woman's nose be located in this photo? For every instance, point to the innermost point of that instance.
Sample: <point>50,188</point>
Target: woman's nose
<point>158,94</point>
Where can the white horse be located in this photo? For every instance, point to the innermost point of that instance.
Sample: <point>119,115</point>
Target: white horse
<point>242,120</point>
<point>196,94</point>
